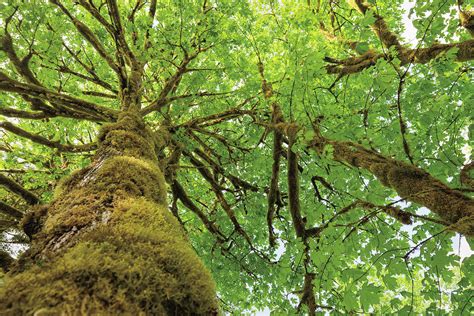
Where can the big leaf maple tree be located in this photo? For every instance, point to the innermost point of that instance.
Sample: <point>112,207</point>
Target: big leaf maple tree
<point>185,157</point>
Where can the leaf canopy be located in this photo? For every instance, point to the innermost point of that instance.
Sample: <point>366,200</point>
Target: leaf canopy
<point>212,75</point>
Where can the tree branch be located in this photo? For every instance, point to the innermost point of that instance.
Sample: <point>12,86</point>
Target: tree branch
<point>293,184</point>
<point>356,64</point>
<point>77,105</point>
<point>10,210</point>
<point>9,112</point>
<point>44,141</point>
<point>89,36</point>
<point>410,182</point>
<point>16,188</point>
<point>171,84</point>
<point>188,203</point>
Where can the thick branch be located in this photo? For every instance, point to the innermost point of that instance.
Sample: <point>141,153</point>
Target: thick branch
<point>277,117</point>
<point>273,190</point>
<point>293,185</point>
<point>410,182</point>
<point>44,141</point>
<point>16,188</point>
<point>24,114</point>
<point>82,106</point>
<point>464,176</point>
<point>10,210</point>
<point>421,56</point>
<point>380,27</point>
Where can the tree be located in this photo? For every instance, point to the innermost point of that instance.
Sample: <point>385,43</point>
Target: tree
<point>303,153</point>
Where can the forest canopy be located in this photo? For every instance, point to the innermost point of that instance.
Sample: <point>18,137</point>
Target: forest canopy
<point>316,157</point>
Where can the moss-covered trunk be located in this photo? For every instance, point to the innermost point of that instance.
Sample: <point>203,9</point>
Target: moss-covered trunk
<point>410,182</point>
<point>107,244</point>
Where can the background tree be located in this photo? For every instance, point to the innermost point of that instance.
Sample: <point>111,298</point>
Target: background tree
<point>315,159</point>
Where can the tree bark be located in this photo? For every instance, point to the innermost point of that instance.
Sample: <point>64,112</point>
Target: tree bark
<point>107,243</point>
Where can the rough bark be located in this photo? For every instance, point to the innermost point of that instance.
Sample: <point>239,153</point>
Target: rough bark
<point>410,182</point>
<point>107,244</point>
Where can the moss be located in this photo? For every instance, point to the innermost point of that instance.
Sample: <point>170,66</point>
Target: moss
<point>129,136</point>
<point>412,184</point>
<point>130,144</point>
<point>33,221</point>
<point>138,263</point>
<point>464,226</point>
<point>108,244</point>
<point>116,178</point>
<point>68,183</point>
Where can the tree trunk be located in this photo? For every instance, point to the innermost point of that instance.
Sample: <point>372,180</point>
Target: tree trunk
<point>107,244</point>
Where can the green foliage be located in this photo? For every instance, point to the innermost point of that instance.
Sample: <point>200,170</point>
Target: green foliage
<point>364,260</point>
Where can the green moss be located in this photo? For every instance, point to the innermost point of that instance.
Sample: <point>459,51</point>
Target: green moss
<point>32,222</point>
<point>138,263</point>
<point>464,226</point>
<point>130,144</point>
<point>85,202</point>
<point>108,245</point>
<point>67,183</point>
<point>129,136</point>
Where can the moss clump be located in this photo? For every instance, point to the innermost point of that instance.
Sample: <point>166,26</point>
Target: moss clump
<point>85,202</point>
<point>128,136</point>
<point>32,222</point>
<point>138,263</point>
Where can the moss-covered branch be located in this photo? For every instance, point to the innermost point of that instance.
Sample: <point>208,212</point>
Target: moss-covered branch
<point>81,107</point>
<point>273,190</point>
<point>293,184</point>
<point>18,189</point>
<point>351,65</point>
<point>9,112</point>
<point>466,18</point>
<point>411,183</point>
<point>44,141</point>
<point>420,55</point>
<point>10,210</point>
